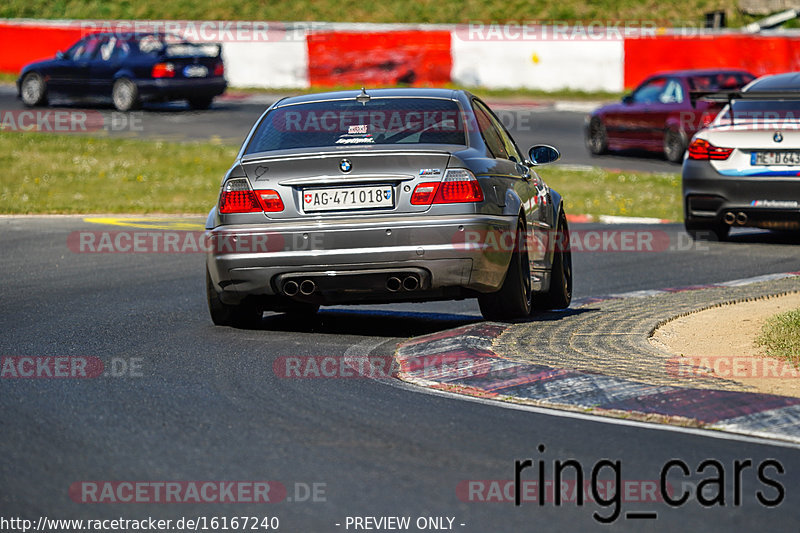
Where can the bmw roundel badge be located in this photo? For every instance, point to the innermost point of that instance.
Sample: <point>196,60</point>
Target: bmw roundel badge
<point>345,165</point>
<point>778,137</point>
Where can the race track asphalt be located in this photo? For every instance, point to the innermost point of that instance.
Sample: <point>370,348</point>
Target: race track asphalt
<point>190,401</point>
<point>205,403</point>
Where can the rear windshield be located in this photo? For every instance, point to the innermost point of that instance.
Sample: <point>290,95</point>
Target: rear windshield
<point>348,122</point>
<point>191,50</point>
<point>171,47</point>
<point>761,111</point>
<point>719,82</point>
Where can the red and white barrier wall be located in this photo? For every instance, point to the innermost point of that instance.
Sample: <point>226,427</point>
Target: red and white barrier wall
<point>276,55</point>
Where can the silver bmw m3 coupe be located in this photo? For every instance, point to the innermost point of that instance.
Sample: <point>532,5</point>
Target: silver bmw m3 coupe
<point>390,195</point>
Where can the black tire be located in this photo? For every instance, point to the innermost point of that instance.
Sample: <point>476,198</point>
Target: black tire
<point>513,300</point>
<point>597,137</point>
<point>33,90</point>
<point>125,95</point>
<point>559,295</point>
<point>674,145</point>
<point>244,315</point>
<point>707,231</point>
<point>201,102</point>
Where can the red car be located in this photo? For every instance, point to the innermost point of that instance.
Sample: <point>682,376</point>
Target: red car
<point>659,116</point>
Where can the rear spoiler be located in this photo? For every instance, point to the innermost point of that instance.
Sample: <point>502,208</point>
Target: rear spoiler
<point>725,97</point>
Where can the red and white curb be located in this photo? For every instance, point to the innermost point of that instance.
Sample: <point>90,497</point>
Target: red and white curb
<point>463,361</point>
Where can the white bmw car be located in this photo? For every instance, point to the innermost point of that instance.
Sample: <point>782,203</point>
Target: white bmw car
<point>744,169</point>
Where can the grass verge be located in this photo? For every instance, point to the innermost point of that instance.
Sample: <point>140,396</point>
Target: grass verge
<point>686,13</point>
<point>520,93</point>
<point>780,336</point>
<point>48,173</point>
<point>8,78</point>
<point>606,192</point>
<point>483,92</point>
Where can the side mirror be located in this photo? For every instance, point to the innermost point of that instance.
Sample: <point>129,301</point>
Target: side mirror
<point>627,99</point>
<point>59,55</point>
<point>542,154</point>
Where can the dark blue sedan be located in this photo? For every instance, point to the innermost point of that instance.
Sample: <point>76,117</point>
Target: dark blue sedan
<point>130,69</point>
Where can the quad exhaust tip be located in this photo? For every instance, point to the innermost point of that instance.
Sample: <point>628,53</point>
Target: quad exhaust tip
<point>410,283</point>
<point>729,218</point>
<point>741,218</point>
<point>307,287</point>
<point>290,288</point>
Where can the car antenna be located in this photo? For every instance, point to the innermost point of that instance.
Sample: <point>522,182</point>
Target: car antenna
<point>363,97</point>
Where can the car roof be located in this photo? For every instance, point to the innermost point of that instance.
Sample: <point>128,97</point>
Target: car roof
<point>686,73</point>
<point>789,81</point>
<point>133,35</point>
<point>449,94</point>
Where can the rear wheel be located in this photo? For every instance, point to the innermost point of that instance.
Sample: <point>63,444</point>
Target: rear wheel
<point>597,137</point>
<point>513,300</point>
<point>674,145</point>
<point>33,90</point>
<point>125,95</point>
<point>559,295</point>
<point>244,315</point>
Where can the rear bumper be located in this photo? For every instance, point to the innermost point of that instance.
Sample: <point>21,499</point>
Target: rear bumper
<point>176,89</point>
<point>756,201</point>
<point>351,261</point>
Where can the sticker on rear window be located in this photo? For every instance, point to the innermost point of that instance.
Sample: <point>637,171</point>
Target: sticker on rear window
<point>356,129</point>
<point>344,139</point>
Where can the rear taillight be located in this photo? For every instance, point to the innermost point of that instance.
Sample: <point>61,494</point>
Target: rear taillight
<point>163,70</point>
<point>457,186</point>
<point>219,69</point>
<point>704,150</point>
<point>424,192</point>
<point>238,197</point>
<point>270,201</point>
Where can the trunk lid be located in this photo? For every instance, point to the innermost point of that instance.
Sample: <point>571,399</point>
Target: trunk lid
<point>304,180</point>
